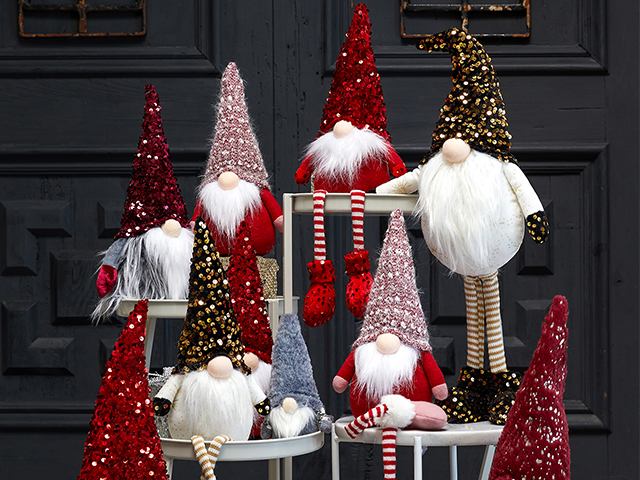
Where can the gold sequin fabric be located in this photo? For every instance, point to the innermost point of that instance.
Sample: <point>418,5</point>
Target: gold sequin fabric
<point>474,110</point>
<point>538,226</point>
<point>210,327</point>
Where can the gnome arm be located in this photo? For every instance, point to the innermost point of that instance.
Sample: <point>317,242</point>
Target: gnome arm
<point>273,208</point>
<point>407,183</point>
<point>345,374</point>
<point>530,204</point>
<point>164,398</point>
<point>260,400</point>
<point>395,163</point>
<point>303,174</point>
<point>108,273</point>
<point>434,375</point>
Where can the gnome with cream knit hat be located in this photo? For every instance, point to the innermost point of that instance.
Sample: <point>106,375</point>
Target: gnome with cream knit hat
<point>151,253</point>
<point>235,186</point>
<point>211,391</point>
<point>296,407</point>
<point>352,153</point>
<point>474,204</point>
<point>392,354</point>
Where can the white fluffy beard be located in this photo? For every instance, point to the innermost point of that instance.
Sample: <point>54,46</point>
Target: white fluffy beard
<point>287,425</point>
<point>379,374</point>
<point>226,209</point>
<point>342,158</point>
<point>152,265</point>
<point>459,205</point>
<point>213,406</point>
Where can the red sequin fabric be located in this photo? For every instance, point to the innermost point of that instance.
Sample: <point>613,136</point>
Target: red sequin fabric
<point>320,301</point>
<point>247,296</point>
<point>360,280</point>
<point>534,444</point>
<point>394,305</point>
<point>153,196</point>
<point>234,147</point>
<point>123,441</point>
<point>356,94</point>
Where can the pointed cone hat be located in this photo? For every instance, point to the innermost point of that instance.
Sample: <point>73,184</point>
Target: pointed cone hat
<point>535,439</point>
<point>247,296</point>
<point>474,110</point>
<point>153,196</point>
<point>292,373</point>
<point>234,147</point>
<point>123,437</point>
<point>394,305</point>
<point>356,93</point>
<point>210,328</point>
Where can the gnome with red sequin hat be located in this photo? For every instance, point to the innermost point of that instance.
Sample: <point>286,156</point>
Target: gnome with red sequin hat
<point>351,153</point>
<point>150,257</point>
<point>250,308</point>
<point>235,186</point>
<point>475,205</point>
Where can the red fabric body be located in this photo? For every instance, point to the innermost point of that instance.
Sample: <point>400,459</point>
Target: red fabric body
<point>260,223</point>
<point>426,376</point>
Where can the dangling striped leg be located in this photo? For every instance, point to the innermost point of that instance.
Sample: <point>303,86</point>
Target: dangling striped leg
<point>319,244</point>
<point>474,346</point>
<point>389,452</point>
<point>357,262</point>
<point>203,458</point>
<point>214,449</point>
<point>491,291</point>
<point>365,420</point>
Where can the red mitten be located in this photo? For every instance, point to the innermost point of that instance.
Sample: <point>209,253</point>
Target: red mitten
<point>302,176</point>
<point>399,170</point>
<point>357,267</point>
<point>320,301</point>
<point>106,280</point>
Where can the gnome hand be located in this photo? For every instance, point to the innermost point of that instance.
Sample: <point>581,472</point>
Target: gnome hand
<point>106,280</point>
<point>278,223</point>
<point>324,421</point>
<point>340,384</point>
<point>161,406</point>
<point>302,176</point>
<point>264,407</point>
<point>399,170</point>
<point>538,226</point>
<point>266,431</point>
<point>440,392</point>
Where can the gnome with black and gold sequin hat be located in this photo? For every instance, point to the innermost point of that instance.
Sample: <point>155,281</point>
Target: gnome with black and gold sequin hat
<point>474,203</point>
<point>211,391</point>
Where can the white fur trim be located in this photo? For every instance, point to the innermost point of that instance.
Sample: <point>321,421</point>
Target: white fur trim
<point>287,425</point>
<point>342,158</point>
<point>378,374</point>
<point>400,413</point>
<point>226,209</point>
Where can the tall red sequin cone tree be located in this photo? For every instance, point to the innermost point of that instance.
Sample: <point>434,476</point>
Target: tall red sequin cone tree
<point>352,153</point>
<point>535,439</point>
<point>123,441</point>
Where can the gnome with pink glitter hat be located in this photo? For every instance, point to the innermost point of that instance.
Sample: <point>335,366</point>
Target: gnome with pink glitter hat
<point>235,186</point>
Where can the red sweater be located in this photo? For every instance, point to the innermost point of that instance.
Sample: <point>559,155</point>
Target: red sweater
<point>260,223</point>
<point>426,376</point>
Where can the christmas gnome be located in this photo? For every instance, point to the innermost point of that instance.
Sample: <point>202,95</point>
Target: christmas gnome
<point>474,202</point>
<point>535,439</point>
<point>352,153</point>
<point>296,407</point>
<point>211,391</point>
<point>250,308</point>
<point>235,185</point>
<point>392,372</point>
<point>123,441</point>
<point>151,254</point>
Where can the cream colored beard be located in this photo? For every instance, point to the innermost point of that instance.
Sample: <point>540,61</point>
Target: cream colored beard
<point>460,206</point>
<point>344,157</point>
<point>287,425</point>
<point>214,406</point>
<point>380,374</point>
<point>226,209</point>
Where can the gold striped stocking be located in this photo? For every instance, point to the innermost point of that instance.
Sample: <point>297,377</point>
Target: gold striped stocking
<point>475,330</point>
<point>491,293</point>
<point>203,458</point>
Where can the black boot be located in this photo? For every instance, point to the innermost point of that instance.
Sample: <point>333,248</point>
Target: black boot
<point>467,401</point>
<point>502,388</point>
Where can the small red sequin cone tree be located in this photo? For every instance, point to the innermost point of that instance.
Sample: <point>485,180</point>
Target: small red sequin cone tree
<point>535,439</point>
<point>123,441</point>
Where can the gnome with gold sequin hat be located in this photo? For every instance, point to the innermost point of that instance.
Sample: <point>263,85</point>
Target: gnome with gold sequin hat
<point>211,391</point>
<point>475,205</point>
<point>151,253</point>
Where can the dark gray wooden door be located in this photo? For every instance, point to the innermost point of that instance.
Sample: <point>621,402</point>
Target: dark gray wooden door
<point>70,110</point>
